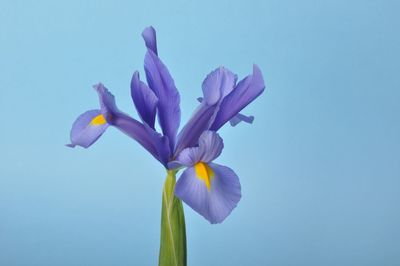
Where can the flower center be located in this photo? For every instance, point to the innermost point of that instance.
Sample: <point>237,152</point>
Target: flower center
<point>204,173</point>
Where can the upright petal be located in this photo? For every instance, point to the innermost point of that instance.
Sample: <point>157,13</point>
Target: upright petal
<point>149,36</point>
<point>214,201</point>
<point>210,145</point>
<point>218,84</point>
<point>153,142</point>
<point>161,82</point>
<point>87,128</point>
<point>144,100</point>
<point>244,93</point>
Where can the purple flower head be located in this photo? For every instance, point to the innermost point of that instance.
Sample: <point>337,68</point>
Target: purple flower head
<point>210,189</point>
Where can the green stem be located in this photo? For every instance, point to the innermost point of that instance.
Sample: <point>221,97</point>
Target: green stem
<point>173,232</point>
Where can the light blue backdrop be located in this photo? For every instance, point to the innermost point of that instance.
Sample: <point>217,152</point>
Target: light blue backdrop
<point>319,168</point>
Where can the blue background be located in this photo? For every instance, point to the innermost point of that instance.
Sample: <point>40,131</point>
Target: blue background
<point>319,168</point>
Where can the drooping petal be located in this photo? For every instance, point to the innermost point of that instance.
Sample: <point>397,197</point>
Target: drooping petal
<point>214,201</point>
<point>161,82</point>
<point>200,121</point>
<point>149,36</point>
<point>244,93</point>
<point>153,142</point>
<point>210,145</point>
<point>218,84</point>
<point>144,100</point>
<point>87,128</point>
<point>239,118</point>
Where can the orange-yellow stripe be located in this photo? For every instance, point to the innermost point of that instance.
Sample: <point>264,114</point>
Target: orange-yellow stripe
<point>204,173</point>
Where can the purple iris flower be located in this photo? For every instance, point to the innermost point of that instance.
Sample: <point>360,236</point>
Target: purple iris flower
<point>210,189</point>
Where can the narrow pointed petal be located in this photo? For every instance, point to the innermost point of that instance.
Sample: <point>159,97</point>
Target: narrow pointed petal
<point>161,82</point>
<point>244,93</point>
<point>149,36</point>
<point>214,203</point>
<point>239,118</point>
<point>153,142</point>
<point>218,84</point>
<point>87,128</point>
<point>144,100</point>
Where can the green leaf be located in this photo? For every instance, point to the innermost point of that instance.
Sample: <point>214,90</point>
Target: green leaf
<point>173,232</point>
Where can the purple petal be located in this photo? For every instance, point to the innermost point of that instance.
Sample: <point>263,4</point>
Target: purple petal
<point>87,128</point>
<point>144,100</point>
<point>210,145</point>
<point>200,121</point>
<point>244,93</point>
<point>239,118</point>
<point>107,102</point>
<point>188,157</point>
<point>218,84</point>
<point>161,82</point>
<point>216,203</point>
<point>149,36</point>
<point>153,142</point>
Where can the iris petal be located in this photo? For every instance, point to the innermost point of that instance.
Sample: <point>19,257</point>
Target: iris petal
<point>200,121</point>
<point>149,36</point>
<point>144,100</point>
<point>237,118</point>
<point>216,203</point>
<point>87,128</point>
<point>188,157</point>
<point>218,84</point>
<point>161,82</point>
<point>222,101</point>
<point>244,93</point>
<point>210,147</point>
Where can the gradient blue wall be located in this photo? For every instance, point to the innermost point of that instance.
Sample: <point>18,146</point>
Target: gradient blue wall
<point>319,168</point>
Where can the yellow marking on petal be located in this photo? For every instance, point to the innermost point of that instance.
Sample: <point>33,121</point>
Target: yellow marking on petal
<point>204,173</point>
<point>98,120</point>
